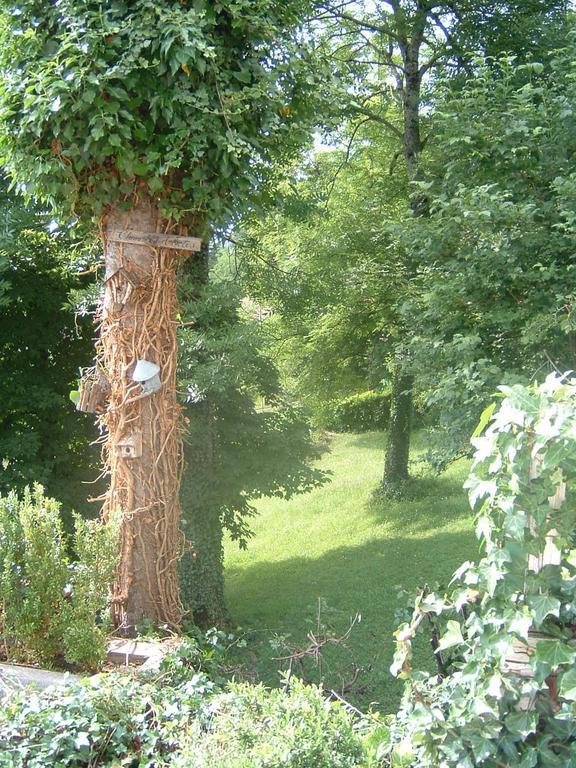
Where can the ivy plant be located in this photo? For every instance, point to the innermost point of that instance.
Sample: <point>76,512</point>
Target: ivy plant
<point>486,711</point>
<point>187,101</point>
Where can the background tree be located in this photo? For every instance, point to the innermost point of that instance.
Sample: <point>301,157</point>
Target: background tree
<point>322,260</point>
<point>401,45</point>
<point>158,118</point>
<point>329,256</point>
<point>494,303</point>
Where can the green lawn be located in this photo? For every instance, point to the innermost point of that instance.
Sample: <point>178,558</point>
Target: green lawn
<point>334,544</point>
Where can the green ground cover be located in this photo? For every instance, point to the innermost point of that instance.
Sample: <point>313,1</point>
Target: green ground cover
<point>337,545</point>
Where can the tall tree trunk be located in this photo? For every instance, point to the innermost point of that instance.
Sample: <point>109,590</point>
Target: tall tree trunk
<point>143,451</point>
<point>399,434</point>
<point>398,444</point>
<point>202,566</point>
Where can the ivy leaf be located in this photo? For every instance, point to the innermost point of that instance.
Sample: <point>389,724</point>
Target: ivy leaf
<point>97,132</point>
<point>521,723</point>
<point>82,741</point>
<point>550,654</point>
<point>244,76</point>
<point>530,759</point>
<point>452,636</point>
<point>155,185</point>
<point>542,606</point>
<point>478,489</point>
<point>432,603</point>
<point>519,398</point>
<point>568,685</point>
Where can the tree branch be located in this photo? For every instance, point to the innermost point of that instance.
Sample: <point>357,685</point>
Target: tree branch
<point>373,26</point>
<point>361,110</point>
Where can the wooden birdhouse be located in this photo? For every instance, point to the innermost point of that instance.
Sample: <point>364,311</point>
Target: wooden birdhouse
<point>130,446</point>
<point>94,392</point>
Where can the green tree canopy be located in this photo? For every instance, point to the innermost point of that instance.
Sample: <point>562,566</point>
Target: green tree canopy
<point>494,300</point>
<point>184,101</point>
<point>322,261</point>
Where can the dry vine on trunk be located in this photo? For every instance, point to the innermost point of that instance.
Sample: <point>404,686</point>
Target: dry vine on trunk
<point>142,444</point>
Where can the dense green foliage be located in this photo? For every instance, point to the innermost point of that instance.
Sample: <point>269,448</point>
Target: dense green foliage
<point>187,102</point>
<point>481,713</point>
<point>493,301</point>
<point>180,721</point>
<point>53,608</point>
<point>42,347</point>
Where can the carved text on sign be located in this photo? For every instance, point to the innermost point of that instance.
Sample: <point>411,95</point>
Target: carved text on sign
<point>156,240</point>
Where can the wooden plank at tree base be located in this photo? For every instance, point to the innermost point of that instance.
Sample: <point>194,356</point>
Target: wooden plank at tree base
<point>16,677</point>
<point>156,240</point>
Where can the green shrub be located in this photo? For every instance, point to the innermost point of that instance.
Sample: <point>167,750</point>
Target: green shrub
<point>363,412</point>
<point>117,720</point>
<point>50,606</point>
<point>252,727</point>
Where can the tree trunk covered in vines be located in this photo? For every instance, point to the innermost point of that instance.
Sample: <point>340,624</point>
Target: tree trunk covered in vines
<point>202,566</point>
<point>143,451</point>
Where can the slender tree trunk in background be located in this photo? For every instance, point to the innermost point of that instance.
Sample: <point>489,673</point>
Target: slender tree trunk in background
<point>399,433</point>
<point>398,448</point>
<point>143,451</point>
<point>202,565</point>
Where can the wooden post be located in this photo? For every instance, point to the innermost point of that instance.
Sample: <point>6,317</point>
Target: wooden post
<point>517,662</point>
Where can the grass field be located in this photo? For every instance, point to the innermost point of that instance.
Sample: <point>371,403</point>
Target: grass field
<point>336,545</point>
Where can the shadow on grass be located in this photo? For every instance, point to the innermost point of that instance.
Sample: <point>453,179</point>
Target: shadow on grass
<point>431,503</point>
<point>282,597</point>
<point>373,441</point>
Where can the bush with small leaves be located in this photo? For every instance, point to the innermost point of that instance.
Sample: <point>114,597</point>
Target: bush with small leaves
<point>252,727</point>
<point>52,607</point>
<point>362,412</point>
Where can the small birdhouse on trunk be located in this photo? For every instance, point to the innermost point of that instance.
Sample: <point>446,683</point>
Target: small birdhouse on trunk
<point>130,446</point>
<point>147,374</point>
